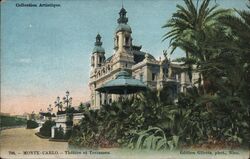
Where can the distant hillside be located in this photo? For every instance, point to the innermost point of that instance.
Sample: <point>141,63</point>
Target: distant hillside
<point>6,121</point>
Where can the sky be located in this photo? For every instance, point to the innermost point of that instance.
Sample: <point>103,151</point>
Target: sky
<point>46,51</point>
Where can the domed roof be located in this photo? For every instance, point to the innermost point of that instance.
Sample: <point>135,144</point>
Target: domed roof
<point>140,56</point>
<point>123,27</point>
<point>98,45</point>
<point>99,49</point>
<point>123,84</point>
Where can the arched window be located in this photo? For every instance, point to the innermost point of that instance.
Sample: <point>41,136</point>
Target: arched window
<point>127,41</point>
<point>100,59</point>
<point>93,60</point>
<point>117,40</point>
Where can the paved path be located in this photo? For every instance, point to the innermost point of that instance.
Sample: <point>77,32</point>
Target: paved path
<point>21,139</point>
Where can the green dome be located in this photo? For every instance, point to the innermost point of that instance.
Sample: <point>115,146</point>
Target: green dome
<point>123,84</point>
<point>123,27</point>
<point>98,49</point>
<point>98,45</point>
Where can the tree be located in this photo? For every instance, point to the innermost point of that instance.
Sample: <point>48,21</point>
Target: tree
<point>239,29</point>
<point>190,27</point>
<point>82,107</point>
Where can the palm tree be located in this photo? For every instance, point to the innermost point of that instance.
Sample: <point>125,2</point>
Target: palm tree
<point>239,28</point>
<point>189,28</point>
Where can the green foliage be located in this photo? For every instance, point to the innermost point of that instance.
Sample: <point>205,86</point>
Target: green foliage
<point>110,125</point>
<point>11,121</point>
<point>68,134</point>
<point>83,107</point>
<point>193,29</point>
<point>217,41</point>
<point>31,124</point>
<point>150,121</point>
<point>153,138</point>
<point>196,119</point>
<point>45,130</point>
<point>59,134</point>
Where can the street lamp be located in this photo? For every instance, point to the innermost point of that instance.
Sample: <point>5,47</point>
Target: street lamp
<point>32,116</point>
<point>50,109</point>
<point>58,103</point>
<point>67,100</point>
<point>69,114</point>
<point>41,114</point>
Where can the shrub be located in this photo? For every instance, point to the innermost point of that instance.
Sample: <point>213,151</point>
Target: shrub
<point>67,135</point>
<point>45,130</point>
<point>152,122</point>
<point>108,126</point>
<point>31,124</point>
<point>6,121</point>
<point>153,138</point>
<point>59,134</point>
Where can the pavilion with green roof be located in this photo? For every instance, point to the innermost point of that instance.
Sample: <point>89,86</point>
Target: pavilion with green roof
<point>122,84</point>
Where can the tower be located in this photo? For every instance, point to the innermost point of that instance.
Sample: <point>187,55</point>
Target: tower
<point>123,40</point>
<point>98,53</point>
<point>123,57</point>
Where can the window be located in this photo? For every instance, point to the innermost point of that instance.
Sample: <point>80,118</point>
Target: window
<point>93,60</point>
<point>141,77</point>
<point>100,59</point>
<point>100,96</point>
<point>117,40</point>
<point>153,76</point>
<point>127,41</point>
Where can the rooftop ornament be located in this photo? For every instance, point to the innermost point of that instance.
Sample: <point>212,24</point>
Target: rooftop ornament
<point>98,45</point>
<point>122,84</point>
<point>122,21</point>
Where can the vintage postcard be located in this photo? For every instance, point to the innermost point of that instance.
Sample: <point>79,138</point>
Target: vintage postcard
<point>125,79</point>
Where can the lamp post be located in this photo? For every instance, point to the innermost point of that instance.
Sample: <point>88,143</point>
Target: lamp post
<point>58,104</point>
<point>32,116</point>
<point>69,115</point>
<point>67,100</point>
<point>49,109</point>
<point>41,114</point>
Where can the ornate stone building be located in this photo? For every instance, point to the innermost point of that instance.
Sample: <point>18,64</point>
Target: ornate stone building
<point>156,74</point>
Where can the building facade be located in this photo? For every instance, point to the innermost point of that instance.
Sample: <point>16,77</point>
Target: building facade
<point>156,74</point>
